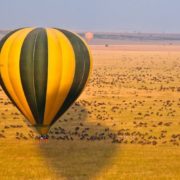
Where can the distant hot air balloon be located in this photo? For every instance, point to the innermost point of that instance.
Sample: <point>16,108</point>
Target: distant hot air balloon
<point>89,36</point>
<point>43,71</point>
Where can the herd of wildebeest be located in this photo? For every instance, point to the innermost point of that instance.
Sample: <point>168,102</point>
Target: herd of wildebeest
<point>130,100</point>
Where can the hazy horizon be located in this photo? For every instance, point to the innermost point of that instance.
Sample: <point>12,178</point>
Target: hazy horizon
<point>97,16</point>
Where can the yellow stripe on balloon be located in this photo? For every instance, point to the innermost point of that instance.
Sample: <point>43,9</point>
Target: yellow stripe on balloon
<point>61,68</point>
<point>10,72</point>
<point>54,73</point>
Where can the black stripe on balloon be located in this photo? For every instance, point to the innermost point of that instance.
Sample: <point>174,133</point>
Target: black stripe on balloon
<point>82,67</point>
<point>33,71</point>
<point>2,42</point>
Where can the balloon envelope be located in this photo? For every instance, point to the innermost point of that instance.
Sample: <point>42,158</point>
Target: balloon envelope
<point>43,71</point>
<point>89,36</point>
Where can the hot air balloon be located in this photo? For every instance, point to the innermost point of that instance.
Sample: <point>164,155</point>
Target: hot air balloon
<point>43,71</point>
<point>89,36</point>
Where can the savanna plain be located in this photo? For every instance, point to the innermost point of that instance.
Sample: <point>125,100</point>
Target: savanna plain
<point>125,125</point>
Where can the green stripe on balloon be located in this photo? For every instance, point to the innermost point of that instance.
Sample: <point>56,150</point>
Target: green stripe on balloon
<point>33,71</point>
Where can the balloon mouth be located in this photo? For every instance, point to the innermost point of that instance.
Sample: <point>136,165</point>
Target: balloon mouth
<point>43,137</point>
<point>42,129</point>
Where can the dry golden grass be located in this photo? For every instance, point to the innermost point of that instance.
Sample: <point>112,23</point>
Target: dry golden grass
<point>124,126</point>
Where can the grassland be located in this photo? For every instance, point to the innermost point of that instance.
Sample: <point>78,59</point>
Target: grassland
<point>125,125</point>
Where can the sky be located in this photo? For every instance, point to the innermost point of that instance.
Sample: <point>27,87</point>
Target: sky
<point>157,16</point>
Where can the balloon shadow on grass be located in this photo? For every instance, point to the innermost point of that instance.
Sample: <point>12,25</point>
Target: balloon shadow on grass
<point>78,149</point>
